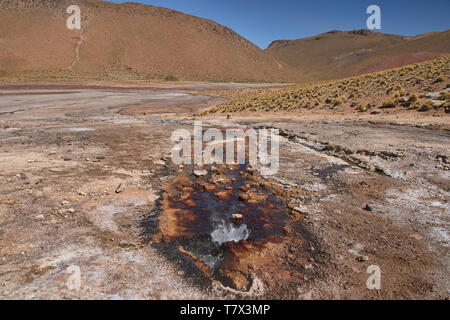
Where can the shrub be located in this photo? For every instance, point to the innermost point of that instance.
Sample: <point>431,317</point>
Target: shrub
<point>338,102</point>
<point>172,77</point>
<point>439,79</point>
<point>364,108</point>
<point>414,106</point>
<point>412,98</point>
<point>389,103</point>
<point>425,107</point>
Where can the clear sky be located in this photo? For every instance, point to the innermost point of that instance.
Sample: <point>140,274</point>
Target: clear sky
<point>262,21</point>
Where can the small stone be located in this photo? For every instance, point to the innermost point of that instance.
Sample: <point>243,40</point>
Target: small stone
<point>125,244</point>
<point>100,157</point>
<point>416,236</point>
<point>368,208</point>
<point>245,188</point>
<point>433,95</point>
<point>229,116</point>
<point>375,112</point>
<point>300,209</point>
<point>437,103</point>
<point>120,188</point>
<point>200,173</point>
<point>71,210</point>
<point>362,258</point>
<point>237,216</point>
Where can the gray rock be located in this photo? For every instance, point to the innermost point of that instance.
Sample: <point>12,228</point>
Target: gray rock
<point>200,172</point>
<point>433,95</point>
<point>437,103</point>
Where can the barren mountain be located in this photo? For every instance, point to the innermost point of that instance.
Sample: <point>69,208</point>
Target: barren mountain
<point>338,54</point>
<point>126,41</point>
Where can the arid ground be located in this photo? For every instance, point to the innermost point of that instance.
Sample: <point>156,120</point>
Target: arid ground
<point>87,181</point>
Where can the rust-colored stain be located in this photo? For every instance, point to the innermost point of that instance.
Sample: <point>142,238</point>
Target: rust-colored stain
<point>228,197</point>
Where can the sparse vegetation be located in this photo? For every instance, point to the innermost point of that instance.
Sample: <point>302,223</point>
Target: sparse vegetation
<point>172,77</point>
<point>364,108</point>
<point>389,103</point>
<point>439,79</point>
<point>425,107</point>
<point>386,89</point>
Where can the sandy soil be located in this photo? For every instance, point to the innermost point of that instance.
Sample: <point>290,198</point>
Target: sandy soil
<point>84,170</point>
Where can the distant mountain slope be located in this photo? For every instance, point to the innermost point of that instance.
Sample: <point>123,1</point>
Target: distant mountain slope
<point>128,39</point>
<point>338,54</point>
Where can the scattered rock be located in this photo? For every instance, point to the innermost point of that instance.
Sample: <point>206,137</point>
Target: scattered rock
<point>368,208</point>
<point>245,188</point>
<point>442,158</point>
<point>416,236</point>
<point>362,258</point>
<point>237,216</point>
<point>209,187</point>
<point>433,95</point>
<point>200,172</point>
<point>126,244</point>
<point>300,209</point>
<point>250,170</point>
<point>223,195</point>
<point>375,112</point>
<point>21,176</point>
<point>437,103</point>
<point>120,188</point>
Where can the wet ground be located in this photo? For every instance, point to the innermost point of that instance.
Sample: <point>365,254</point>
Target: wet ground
<point>87,181</point>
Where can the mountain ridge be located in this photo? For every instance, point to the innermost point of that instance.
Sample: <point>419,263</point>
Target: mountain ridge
<point>339,54</point>
<point>129,38</point>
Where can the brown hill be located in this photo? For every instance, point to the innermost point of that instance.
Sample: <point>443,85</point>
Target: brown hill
<point>127,41</point>
<point>339,54</point>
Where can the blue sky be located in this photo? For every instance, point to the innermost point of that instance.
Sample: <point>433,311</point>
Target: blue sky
<point>262,21</point>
